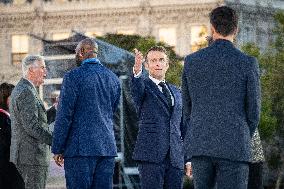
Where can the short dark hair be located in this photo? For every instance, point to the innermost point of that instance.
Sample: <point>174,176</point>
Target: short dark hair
<point>88,41</point>
<point>224,20</point>
<point>156,48</point>
<point>5,92</point>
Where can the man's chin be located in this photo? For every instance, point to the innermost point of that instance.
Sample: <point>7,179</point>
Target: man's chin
<point>40,83</point>
<point>159,77</point>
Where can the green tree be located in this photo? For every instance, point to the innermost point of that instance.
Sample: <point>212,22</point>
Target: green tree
<point>273,64</point>
<point>276,88</point>
<point>267,124</point>
<point>272,82</point>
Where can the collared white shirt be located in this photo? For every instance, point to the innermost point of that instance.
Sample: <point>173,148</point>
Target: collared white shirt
<point>156,81</point>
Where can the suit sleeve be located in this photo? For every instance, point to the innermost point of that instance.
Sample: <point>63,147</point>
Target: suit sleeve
<point>137,91</point>
<point>30,118</point>
<point>186,99</point>
<point>182,128</point>
<point>51,114</point>
<point>65,112</point>
<point>117,100</point>
<point>253,97</point>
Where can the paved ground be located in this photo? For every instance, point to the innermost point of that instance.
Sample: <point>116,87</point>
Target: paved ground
<point>56,178</point>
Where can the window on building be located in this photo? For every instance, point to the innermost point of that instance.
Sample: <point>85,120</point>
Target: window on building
<point>168,35</point>
<point>197,37</point>
<point>125,32</point>
<point>248,35</point>
<point>60,36</point>
<point>94,34</point>
<point>19,2</point>
<point>262,39</point>
<point>20,48</point>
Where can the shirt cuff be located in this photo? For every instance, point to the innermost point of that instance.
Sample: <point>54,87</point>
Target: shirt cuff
<point>138,74</point>
<point>188,163</point>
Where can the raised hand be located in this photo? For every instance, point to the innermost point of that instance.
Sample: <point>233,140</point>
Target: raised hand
<point>188,170</point>
<point>138,61</point>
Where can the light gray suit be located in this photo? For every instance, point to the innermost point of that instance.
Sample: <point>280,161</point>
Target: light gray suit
<point>30,135</point>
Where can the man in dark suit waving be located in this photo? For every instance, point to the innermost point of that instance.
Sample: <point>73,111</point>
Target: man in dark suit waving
<point>83,131</point>
<point>221,103</point>
<point>158,148</point>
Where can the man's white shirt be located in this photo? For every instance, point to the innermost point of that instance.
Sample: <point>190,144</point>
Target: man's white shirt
<point>156,81</point>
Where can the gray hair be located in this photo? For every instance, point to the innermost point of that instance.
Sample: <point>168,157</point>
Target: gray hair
<point>29,61</point>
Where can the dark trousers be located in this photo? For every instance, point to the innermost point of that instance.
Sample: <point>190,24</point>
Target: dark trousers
<point>160,175</point>
<point>255,176</point>
<point>10,178</point>
<point>209,172</point>
<point>89,172</point>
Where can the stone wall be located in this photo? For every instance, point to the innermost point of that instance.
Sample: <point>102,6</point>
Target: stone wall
<point>143,17</point>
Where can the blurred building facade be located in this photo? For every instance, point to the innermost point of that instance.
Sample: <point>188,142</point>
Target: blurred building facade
<point>180,23</point>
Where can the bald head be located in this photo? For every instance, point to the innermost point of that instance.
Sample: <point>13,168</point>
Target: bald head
<point>86,48</point>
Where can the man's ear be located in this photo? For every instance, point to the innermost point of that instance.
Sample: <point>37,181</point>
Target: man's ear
<point>236,32</point>
<point>30,70</point>
<point>146,65</point>
<point>168,65</point>
<point>81,53</point>
<point>213,31</point>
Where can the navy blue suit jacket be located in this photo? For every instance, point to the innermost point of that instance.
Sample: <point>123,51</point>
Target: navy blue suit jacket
<point>221,102</point>
<point>159,129</point>
<point>84,122</point>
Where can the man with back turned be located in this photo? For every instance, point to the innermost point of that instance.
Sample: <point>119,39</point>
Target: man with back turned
<point>83,131</point>
<point>221,104</point>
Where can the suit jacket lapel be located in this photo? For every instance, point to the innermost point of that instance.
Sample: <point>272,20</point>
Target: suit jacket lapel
<point>40,102</point>
<point>174,96</point>
<point>155,88</point>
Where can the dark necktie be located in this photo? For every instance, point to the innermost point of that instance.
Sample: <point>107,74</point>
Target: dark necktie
<point>167,93</point>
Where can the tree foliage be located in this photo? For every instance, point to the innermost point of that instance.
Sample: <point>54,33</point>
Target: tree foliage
<point>272,82</point>
<point>267,124</point>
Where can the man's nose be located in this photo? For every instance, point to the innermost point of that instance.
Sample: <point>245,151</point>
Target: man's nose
<point>159,63</point>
